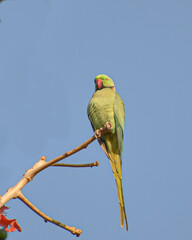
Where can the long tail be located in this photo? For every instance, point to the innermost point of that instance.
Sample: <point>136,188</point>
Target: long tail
<point>115,161</point>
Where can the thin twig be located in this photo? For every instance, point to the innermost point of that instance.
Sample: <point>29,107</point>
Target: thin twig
<point>46,218</point>
<point>95,164</point>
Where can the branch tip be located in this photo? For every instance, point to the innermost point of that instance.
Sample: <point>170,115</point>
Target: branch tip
<point>43,158</point>
<point>96,163</point>
<point>76,231</point>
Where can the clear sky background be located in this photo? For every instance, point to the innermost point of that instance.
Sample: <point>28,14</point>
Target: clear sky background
<point>50,52</point>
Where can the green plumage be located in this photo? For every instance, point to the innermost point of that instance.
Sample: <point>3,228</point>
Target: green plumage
<point>107,106</point>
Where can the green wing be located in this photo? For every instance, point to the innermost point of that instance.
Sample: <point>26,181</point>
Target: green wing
<point>119,115</point>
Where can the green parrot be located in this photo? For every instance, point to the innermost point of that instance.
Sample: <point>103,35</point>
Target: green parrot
<point>107,106</point>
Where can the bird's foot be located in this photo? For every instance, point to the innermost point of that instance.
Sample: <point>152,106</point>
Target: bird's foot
<point>99,132</point>
<point>108,125</point>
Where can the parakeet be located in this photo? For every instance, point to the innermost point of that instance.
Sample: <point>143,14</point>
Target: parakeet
<point>107,106</point>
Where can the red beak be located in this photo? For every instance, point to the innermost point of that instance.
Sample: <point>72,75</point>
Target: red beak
<point>99,83</point>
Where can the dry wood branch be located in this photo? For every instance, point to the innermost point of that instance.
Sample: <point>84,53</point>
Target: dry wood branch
<point>15,192</point>
<point>46,218</point>
<point>95,164</point>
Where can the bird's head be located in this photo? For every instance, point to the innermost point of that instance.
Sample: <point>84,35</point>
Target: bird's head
<point>103,81</point>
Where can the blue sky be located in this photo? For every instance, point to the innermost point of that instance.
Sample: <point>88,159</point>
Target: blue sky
<point>50,52</point>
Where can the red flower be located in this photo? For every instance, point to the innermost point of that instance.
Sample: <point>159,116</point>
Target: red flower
<point>10,225</point>
<point>2,209</point>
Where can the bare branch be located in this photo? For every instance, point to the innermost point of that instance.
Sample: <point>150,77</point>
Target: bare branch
<point>15,192</point>
<point>46,218</point>
<point>95,164</point>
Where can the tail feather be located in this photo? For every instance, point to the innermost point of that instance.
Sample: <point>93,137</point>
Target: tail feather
<point>115,161</point>
<point>123,217</point>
